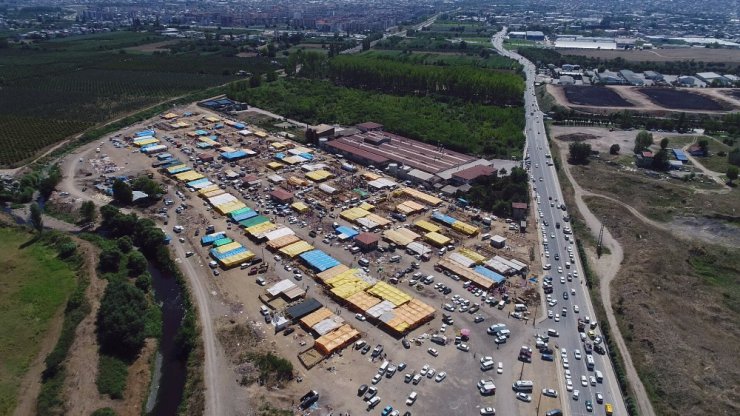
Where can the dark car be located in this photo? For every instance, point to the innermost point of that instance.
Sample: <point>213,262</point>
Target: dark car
<point>308,399</point>
<point>554,412</point>
<point>406,344</point>
<point>312,233</point>
<point>289,330</point>
<point>377,350</point>
<point>565,295</point>
<point>362,389</point>
<point>365,349</point>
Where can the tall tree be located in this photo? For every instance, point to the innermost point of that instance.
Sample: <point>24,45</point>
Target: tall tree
<point>37,221</point>
<point>579,152</point>
<point>122,192</point>
<point>732,172</point>
<point>88,211</point>
<point>664,143</point>
<point>643,141</point>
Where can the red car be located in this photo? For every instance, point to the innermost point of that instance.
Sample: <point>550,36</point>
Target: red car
<point>253,271</point>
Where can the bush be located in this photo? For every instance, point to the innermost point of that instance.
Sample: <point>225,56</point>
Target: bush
<point>614,149</point>
<point>121,320</point>
<point>272,366</point>
<point>112,374</point>
<point>124,244</point>
<point>136,263</point>
<point>579,152</point>
<point>110,260</point>
<point>144,282</point>
<point>105,411</point>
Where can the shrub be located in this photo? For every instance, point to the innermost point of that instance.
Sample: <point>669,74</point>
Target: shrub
<point>121,320</point>
<point>112,374</point>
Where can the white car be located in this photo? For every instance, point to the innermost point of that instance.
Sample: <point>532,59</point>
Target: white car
<point>411,399</point>
<point>500,368</point>
<point>433,352</point>
<point>377,378</point>
<point>567,374</point>
<point>565,363</point>
<point>360,317</point>
<point>424,370</point>
<point>584,381</point>
<point>563,352</point>
<point>431,373</point>
<point>592,380</point>
<point>576,395</point>
<point>440,376</point>
<point>577,354</point>
<point>524,397</point>
<point>557,317</point>
<point>568,385</point>
<point>576,309</point>
<point>487,411</point>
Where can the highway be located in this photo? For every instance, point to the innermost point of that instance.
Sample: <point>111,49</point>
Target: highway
<point>547,197</point>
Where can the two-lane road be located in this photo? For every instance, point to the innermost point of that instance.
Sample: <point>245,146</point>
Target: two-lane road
<point>547,200</point>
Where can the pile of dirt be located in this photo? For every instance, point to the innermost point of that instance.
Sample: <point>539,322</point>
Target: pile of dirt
<point>576,137</point>
<point>677,307</point>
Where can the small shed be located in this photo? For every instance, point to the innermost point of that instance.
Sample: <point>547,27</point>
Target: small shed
<point>498,242</point>
<point>367,241</point>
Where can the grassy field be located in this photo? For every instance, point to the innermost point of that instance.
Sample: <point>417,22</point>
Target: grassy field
<point>715,162</point>
<point>729,56</point>
<point>51,90</point>
<point>35,285</point>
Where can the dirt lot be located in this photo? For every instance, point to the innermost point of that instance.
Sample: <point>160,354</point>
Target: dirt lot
<point>694,208</point>
<point>595,96</point>
<point>235,292</point>
<point>709,100</point>
<point>662,55</point>
<point>666,292</point>
<point>153,47</point>
<point>682,100</point>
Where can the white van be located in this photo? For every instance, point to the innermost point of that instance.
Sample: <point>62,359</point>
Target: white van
<point>553,333</point>
<point>523,385</point>
<point>354,250</point>
<point>501,304</point>
<point>363,262</point>
<point>395,259</point>
<point>486,365</point>
<point>373,402</point>
<point>264,310</point>
<point>485,237</point>
<point>359,344</point>
<point>599,376</point>
<point>383,367</point>
<point>520,307</point>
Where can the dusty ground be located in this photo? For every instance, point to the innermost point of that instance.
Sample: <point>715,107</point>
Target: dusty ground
<point>642,103</point>
<point>657,315</point>
<point>153,47</point>
<point>662,55</point>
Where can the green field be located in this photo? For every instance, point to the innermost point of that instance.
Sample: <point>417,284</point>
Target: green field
<point>51,90</point>
<point>35,284</point>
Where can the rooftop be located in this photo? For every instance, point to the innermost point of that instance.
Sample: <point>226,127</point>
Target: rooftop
<point>474,172</point>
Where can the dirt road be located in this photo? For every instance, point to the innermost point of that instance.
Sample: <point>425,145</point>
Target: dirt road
<point>607,267</point>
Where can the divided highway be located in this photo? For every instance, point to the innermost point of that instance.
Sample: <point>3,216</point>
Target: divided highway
<point>547,199</point>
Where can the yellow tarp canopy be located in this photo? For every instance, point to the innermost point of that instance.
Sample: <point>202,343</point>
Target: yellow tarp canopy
<point>319,175</point>
<point>390,293</point>
<point>472,255</point>
<point>145,142</point>
<point>422,196</point>
<point>296,248</point>
<point>366,206</point>
<point>169,116</point>
<point>427,226</point>
<point>437,239</point>
<point>188,176</point>
<point>465,228</point>
<point>362,301</point>
<point>329,273</point>
<point>230,207</point>
<point>275,165</point>
<point>283,241</point>
<point>353,214</point>
<point>300,207</point>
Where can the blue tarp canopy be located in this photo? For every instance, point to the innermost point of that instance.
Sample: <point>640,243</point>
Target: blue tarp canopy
<point>239,126</point>
<point>349,232</point>
<point>210,238</point>
<point>229,253</point>
<point>680,155</point>
<point>204,145</point>
<point>180,170</point>
<point>462,201</point>
<point>201,132</point>
<point>437,216</point>
<point>145,133</point>
<point>244,215</point>
<point>319,260</point>
<point>218,126</point>
<point>163,156</point>
<point>280,156</point>
<point>234,155</point>
<point>489,274</point>
<point>307,156</point>
<point>197,182</point>
<point>173,162</point>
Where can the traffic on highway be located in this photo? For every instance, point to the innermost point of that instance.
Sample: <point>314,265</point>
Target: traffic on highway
<point>586,376</point>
